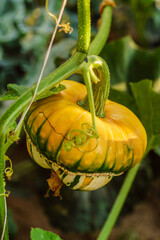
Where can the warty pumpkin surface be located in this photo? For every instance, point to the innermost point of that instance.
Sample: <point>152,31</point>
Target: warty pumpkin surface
<point>121,143</point>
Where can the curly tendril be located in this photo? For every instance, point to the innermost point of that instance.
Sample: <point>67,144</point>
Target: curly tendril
<point>63,26</point>
<point>6,193</point>
<point>78,138</point>
<point>8,170</point>
<point>94,78</point>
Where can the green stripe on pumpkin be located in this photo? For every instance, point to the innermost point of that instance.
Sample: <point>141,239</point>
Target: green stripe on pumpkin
<point>75,181</point>
<point>104,167</point>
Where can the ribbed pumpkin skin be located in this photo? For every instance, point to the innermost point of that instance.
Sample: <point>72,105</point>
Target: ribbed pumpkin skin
<point>121,143</point>
<point>75,181</point>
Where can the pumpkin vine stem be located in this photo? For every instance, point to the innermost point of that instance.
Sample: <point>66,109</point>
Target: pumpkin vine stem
<point>3,220</point>
<point>99,41</point>
<point>84,25</point>
<point>90,98</point>
<point>98,72</point>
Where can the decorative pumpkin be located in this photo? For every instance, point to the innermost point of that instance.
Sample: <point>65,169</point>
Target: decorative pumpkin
<point>60,137</point>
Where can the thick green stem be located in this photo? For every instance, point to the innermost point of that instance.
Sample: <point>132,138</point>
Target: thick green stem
<point>84,25</point>
<point>100,40</point>
<point>2,190</point>
<point>101,89</point>
<point>100,76</point>
<point>88,84</point>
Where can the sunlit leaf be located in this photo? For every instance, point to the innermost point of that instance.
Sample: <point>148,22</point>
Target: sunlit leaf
<point>148,105</point>
<point>129,63</point>
<point>123,98</point>
<point>40,234</point>
<point>54,90</point>
<point>14,91</point>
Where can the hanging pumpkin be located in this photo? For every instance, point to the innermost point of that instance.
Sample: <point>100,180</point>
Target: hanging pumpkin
<point>60,136</point>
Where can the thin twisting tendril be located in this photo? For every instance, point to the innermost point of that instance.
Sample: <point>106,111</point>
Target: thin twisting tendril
<point>49,13</point>
<point>78,138</point>
<point>6,194</point>
<point>63,26</point>
<point>94,78</point>
<point>8,170</point>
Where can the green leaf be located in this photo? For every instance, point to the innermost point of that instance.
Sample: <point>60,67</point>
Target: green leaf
<point>40,234</point>
<point>54,90</point>
<point>148,105</point>
<point>12,225</point>
<point>157,151</point>
<point>130,63</point>
<point>14,91</point>
<point>123,98</point>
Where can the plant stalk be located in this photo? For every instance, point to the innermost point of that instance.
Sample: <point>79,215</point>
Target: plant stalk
<point>99,41</point>
<point>88,84</point>
<point>100,77</point>
<point>84,25</point>
<point>2,191</point>
<point>101,89</point>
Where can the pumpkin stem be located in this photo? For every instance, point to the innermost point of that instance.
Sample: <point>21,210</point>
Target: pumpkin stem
<point>100,76</point>
<point>84,25</point>
<point>88,83</point>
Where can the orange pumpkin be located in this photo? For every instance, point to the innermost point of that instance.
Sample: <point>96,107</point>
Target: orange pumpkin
<point>58,121</point>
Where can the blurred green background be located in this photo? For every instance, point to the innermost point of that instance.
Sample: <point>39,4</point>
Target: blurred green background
<point>133,54</point>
